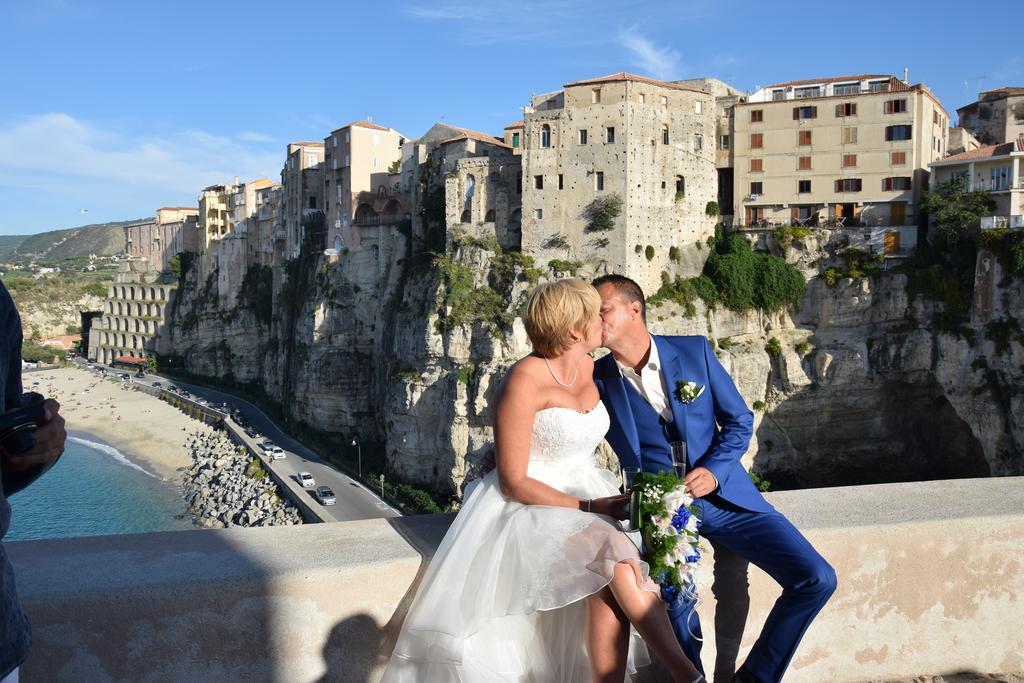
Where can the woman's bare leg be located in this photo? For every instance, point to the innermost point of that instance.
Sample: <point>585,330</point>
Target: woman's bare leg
<point>647,613</point>
<point>607,638</point>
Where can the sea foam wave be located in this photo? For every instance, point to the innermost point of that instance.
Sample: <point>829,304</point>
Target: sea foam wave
<point>117,455</point>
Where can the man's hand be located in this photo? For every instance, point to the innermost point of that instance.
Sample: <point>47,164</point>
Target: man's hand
<point>50,438</point>
<point>613,506</point>
<point>700,482</point>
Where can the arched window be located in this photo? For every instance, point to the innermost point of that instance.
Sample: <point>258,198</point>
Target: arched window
<point>466,217</point>
<point>382,192</point>
<point>469,187</point>
<point>680,185</point>
<point>664,133</point>
<point>489,216</point>
<point>545,136</point>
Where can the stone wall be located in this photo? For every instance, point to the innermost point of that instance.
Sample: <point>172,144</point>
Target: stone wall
<point>929,582</point>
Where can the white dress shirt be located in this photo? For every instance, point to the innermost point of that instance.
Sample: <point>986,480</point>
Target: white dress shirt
<point>650,382</point>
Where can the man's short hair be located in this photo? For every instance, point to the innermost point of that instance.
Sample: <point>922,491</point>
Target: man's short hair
<point>627,289</point>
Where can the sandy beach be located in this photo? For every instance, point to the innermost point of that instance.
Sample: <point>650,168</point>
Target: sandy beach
<point>148,431</point>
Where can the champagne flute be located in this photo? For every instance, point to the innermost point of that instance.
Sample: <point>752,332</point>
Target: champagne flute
<point>628,477</point>
<point>679,458</point>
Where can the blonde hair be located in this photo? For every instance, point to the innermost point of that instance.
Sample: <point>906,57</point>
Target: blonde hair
<point>555,309</point>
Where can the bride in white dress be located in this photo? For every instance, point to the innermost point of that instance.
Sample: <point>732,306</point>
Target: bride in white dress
<point>535,581</point>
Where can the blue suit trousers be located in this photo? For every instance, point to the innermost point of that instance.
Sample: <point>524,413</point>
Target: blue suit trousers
<point>771,542</point>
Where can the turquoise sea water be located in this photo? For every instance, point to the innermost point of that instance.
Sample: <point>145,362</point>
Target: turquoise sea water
<point>95,490</point>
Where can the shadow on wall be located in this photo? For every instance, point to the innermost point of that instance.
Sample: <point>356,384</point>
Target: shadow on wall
<point>876,432</point>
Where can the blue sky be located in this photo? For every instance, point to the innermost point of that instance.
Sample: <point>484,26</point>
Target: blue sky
<point>120,107</point>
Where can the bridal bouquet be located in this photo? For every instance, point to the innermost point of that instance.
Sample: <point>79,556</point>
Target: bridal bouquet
<point>666,517</point>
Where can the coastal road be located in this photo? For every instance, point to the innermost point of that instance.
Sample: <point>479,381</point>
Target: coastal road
<point>354,501</point>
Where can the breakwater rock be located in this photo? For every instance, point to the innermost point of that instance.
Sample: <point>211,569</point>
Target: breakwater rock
<point>225,487</point>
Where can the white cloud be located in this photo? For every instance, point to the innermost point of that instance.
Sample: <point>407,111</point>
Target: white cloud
<point>49,149</point>
<point>661,62</point>
<point>252,136</point>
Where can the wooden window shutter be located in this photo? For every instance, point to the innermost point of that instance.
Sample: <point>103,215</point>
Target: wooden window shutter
<point>853,109</point>
<point>814,112</point>
<point>796,113</point>
<point>839,110</point>
<point>839,186</point>
<point>888,106</point>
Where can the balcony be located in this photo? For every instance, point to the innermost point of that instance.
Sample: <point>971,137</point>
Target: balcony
<point>326,601</point>
<point>1010,222</point>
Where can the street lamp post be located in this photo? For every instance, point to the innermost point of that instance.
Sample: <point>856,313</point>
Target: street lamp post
<point>382,487</point>
<point>359,450</point>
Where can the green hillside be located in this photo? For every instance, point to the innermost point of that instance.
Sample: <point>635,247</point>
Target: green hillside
<point>9,244</point>
<point>102,239</point>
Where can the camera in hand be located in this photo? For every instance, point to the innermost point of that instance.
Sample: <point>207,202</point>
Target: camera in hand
<point>18,426</point>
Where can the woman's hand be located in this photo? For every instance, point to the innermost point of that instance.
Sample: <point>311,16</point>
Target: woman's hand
<point>613,506</point>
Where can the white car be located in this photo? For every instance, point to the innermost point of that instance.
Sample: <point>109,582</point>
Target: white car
<point>274,452</point>
<point>306,479</point>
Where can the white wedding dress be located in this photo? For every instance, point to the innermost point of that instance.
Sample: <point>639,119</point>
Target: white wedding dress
<point>502,599</point>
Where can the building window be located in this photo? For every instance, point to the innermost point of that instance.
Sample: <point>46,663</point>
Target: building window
<point>545,136</point>
<point>897,158</point>
<point>895,106</point>
<point>643,98</point>
<point>698,141</point>
<point>805,113</point>
<point>538,182</point>
<point>849,160</point>
<point>595,96</point>
<point>935,116</point>
<point>583,136</point>
<point>311,160</point>
<point>895,184</point>
<point>893,133</point>
<point>561,185</point>
<point>848,185</point>
<point>599,180</point>
<point>846,89</point>
<point>846,109</point>
<point>803,163</point>
<point>664,100</point>
<point>698,107</point>
<point>538,213</point>
<point>312,202</point>
<point>803,186</point>
<point>801,93</point>
<point>515,140</point>
<point>519,183</point>
<point>680,186</point>
<point>725,142</point>
<point>756,188</point>
<point>778,95</point>
<point>756,140</point>
<point>804,137</point>
<point>756,115</point>
<point>664,134</point>
<point>609,134</point>
<point>347,160</point>
<point>756,165</point>
<point>346,136</point>
<point>849,135</point>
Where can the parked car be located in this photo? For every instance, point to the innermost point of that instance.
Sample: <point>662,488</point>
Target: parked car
<point>306,479</point>
<point>325,495</point>
<point>251,432</point>
<point>158,385</point>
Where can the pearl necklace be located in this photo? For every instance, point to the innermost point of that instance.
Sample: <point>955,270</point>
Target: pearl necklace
<point>574,373</point>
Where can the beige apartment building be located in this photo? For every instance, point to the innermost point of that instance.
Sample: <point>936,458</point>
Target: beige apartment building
<point>999,169</point>
<point>173,231</point>
<point>649,143</point>
<point>268,200</point>
<point>302,195</point>
<point>362,181</point>
<point>997,116</point>
<point>848,151</point>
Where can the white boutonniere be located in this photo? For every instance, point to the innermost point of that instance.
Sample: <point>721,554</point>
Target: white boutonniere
<point>687,391</point>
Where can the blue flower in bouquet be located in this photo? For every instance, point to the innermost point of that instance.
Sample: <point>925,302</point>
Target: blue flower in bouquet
<point>670,593</point>
<point>680,518</point>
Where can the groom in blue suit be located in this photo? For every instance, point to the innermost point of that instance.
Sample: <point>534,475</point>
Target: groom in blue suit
<point>638,384</point>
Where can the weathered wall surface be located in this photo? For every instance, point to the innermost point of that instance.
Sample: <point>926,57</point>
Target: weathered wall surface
<point>930,580</point>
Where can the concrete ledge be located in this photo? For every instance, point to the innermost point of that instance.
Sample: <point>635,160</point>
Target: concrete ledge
<point>930,581</point>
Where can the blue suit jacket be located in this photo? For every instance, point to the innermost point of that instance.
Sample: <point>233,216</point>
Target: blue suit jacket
<point>716,426</point>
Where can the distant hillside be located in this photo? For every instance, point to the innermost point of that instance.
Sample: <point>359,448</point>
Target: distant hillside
<point>9,244</point>
<point>102,239</point>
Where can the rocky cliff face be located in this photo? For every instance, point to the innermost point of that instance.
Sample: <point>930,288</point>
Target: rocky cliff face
<point>855,388</point>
